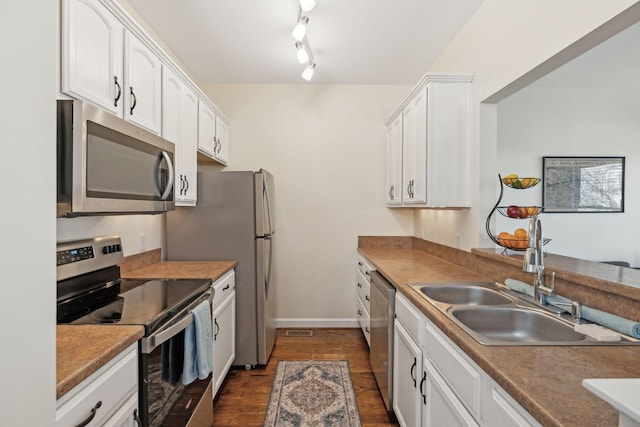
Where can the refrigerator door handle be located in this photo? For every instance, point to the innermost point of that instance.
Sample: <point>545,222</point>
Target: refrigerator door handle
<point>268,203</point>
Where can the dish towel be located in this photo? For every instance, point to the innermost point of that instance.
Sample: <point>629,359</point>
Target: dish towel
<point>611,321</point>
<point>198,345</point>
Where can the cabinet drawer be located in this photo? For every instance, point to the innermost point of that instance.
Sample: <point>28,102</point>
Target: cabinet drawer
<point>364,288</point>
<point>223,287</point>
<point>502,410</point>
<point>409,316</point>
<point>365,267</point>
<point>364,321</point>
<point>465,380</point>
<point>111,385</point>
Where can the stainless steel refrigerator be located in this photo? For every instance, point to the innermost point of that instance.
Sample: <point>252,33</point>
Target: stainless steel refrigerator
<point>233,220</point>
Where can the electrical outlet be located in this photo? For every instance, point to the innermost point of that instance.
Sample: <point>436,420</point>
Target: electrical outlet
<point>143,242</point>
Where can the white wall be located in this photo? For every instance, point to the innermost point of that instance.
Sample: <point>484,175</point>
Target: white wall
<point>325,146</point>
<point>139,233</point>
<point>507,44</point>
<point>541,121</point>
<point>27,130</point>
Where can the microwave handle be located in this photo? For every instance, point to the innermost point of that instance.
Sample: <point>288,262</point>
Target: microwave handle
<point>171,177</point>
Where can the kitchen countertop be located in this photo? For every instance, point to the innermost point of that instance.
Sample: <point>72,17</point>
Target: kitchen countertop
<point>545,380</point>
<point>83,349</point>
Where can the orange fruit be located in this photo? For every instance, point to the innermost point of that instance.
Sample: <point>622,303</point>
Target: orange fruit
<point>521,234</point>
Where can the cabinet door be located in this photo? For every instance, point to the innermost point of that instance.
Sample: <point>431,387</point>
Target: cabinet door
<point>222,139</point>
<point>143,85</point>
<point>91,47</point>
<point>172,88</point>
<point>126,415</point>
<point>206,130</point>
<point>441,405</point>
<point>188,148</point>
<point>414,149</point>
<point>407,373</point>
<point>394,162</point>
<point>224,334</point>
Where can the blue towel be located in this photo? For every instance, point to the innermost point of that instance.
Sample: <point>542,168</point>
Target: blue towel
<point>198,345</point>
<point>611,321</point>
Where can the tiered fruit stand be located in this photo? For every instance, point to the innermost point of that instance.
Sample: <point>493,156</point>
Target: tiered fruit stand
<point>506,240</point>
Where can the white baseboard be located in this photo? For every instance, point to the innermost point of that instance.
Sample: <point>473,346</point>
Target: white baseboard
<point>316,323</point>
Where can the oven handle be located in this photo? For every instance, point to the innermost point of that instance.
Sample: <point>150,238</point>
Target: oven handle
<point>150,343</point>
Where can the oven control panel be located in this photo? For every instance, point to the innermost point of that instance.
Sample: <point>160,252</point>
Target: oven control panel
<point>68,256</point>
<point>82,256</point>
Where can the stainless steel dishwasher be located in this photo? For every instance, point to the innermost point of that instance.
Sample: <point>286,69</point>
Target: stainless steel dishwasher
<point>382,312</point>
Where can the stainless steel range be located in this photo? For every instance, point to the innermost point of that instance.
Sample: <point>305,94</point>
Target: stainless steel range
<point>91,291</point>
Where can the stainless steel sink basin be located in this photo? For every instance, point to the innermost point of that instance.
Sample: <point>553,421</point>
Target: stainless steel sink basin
<point>490,325</point>
<point>494,315</point>
<point>465,294</point>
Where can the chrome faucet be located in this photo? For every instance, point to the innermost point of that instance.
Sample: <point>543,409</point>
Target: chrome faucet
<point>533,262</point>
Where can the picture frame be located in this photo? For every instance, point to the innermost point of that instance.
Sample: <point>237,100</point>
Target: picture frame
<point>583,184</point>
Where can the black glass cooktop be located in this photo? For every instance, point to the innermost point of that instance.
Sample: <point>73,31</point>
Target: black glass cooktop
<point>147,302</point>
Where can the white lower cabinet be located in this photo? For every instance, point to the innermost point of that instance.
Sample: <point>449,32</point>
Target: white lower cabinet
<point>446,387</point>
<point>363,296</point>
<point>224,328</point>
<point>441,405</point>
<point>108,397</point>
<point>407,374</point>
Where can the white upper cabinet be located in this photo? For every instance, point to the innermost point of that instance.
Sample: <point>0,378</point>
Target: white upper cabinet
<point>394,162</point>
<point>213,135</point>
<point>92,54</point>
<point>435,145</point>
<point>107,65</point>
<point>206,130</point>
<point>180,126</point>
<point>143,91</point>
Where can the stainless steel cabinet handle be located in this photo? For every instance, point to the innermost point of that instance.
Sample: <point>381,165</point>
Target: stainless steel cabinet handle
<point>115,82</point>
<point>92,414</point>
<point>135,100</point>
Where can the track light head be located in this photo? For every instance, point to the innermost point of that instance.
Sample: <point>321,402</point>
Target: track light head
<point>307,5</point>
<point>300,29</point>
<point>301,50</point>
<point>307,74</point>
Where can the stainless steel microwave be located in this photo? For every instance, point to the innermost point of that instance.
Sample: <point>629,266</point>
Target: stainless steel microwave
<point>108,166</point>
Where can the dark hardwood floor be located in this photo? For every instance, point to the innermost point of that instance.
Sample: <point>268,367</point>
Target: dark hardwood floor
<point>244,396</point>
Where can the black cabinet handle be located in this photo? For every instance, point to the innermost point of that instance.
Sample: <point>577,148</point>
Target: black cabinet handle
<point>424,379</point>
<point>219,146</point>
<point>135,100</point>
<point>366,328</point>
<point>413,377</point>
<point>92,414</point>
<point>359,285</point>
<point>215,336</point>
<point>181,184</point>
<point>137,418</point>
<point>115,82</point>
<point>359,313</point>
<point>359,263</point>
<point>186,187</point>
<point>226,287</point>
<point>367,298</point>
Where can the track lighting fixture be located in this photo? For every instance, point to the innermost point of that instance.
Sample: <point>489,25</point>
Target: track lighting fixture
<point>307,74</point>
<point>300,29</point>
<point>301,50</point>
<point>307,5</point>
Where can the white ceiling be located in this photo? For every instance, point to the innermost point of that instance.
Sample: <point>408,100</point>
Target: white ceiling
<point>352,41</point>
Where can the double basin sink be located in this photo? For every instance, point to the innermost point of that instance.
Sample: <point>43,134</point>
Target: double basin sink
<point>493,315</point>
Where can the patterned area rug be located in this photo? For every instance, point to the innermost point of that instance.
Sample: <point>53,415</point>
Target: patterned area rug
<point>312,393</point>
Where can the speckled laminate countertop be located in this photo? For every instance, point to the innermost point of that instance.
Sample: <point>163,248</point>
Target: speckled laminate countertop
<point>182,270</point>
<point>545,380</point>
<point>83,349</point>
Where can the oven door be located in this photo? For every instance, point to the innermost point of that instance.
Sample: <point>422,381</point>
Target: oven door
<point>164,400</point>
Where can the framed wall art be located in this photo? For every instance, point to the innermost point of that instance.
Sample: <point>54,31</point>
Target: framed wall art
<point>583,184</point>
